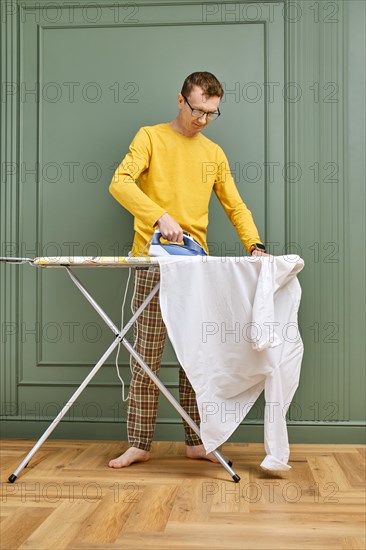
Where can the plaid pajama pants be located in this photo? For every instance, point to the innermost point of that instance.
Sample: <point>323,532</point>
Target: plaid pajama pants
<point>150,334</point>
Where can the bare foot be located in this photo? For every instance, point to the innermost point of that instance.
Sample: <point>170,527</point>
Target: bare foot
<point>133,454</point>
<point>198,451</point>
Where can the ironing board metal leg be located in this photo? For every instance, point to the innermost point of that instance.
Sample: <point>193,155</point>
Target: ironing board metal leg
<point>175,404</point>
<point>119,338</point>
<point>62,413</point>
<point>92,373</point>
<point>121,333</point>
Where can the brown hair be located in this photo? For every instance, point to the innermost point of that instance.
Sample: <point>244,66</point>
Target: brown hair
<point>207,81</point>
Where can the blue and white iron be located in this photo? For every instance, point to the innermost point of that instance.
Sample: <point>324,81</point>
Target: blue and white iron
<point>190,247</point>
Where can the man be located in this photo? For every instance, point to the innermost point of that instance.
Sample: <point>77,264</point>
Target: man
<point>177,169</point>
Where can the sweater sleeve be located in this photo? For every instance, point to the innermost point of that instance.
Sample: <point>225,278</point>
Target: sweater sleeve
<point>123,186</point>
<point>236,210</point>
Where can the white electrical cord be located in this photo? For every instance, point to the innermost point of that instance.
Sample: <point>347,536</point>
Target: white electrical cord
<point>122,322</point>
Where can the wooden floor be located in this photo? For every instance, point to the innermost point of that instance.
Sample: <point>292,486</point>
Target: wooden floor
<point>68,498</point>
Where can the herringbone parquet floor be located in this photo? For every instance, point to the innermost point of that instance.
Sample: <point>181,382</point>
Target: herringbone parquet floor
<point>68,498</point>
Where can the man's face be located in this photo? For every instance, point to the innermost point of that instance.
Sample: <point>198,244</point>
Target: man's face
<point>197,100</point>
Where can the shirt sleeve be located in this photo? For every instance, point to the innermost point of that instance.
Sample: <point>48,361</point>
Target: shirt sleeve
<point>123,186</point>
<point>230,199</point>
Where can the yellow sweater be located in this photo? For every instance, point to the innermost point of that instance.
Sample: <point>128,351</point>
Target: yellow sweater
<point>176,174</point>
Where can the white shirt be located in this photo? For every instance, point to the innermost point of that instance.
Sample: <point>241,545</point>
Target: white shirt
<point>233,325</point>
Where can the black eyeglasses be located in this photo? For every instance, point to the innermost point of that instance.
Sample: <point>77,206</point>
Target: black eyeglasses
<point>197,113</point>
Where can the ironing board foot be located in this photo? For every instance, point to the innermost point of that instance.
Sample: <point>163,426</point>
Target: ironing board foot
<point>236,478</point>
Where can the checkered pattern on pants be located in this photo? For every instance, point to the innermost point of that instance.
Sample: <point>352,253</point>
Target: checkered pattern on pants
<point>150,334</point>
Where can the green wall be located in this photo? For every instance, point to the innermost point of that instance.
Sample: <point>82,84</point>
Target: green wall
<point>78,80</point>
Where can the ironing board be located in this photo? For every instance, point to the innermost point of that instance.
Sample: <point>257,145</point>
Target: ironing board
<point>68,262</point>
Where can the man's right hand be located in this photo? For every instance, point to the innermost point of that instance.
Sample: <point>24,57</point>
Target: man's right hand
<point>170,229</point>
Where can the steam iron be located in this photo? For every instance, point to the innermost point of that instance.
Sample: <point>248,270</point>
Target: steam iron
<point>190,247</point>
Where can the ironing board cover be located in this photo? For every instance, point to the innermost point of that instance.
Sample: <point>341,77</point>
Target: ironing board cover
<point>95,261</point>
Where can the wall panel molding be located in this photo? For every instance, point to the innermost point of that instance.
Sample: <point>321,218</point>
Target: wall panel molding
<point>42,20</point>
<point>9,164</point>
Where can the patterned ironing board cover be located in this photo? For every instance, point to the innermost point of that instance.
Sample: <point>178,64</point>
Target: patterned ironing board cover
<point>101,261</point>
<point>86,261</point>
